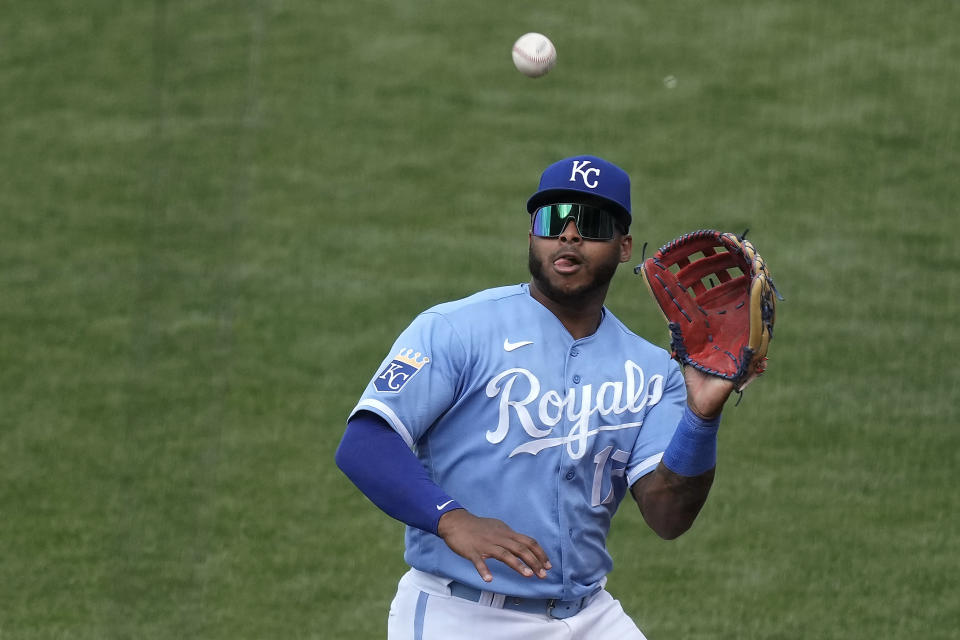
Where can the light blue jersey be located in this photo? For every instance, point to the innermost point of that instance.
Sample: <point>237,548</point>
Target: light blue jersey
<point>518,421</point>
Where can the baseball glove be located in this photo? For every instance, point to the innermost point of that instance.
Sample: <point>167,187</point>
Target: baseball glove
<point>719,301</point>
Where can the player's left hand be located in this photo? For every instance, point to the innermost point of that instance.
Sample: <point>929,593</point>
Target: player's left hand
<point>706,394</point>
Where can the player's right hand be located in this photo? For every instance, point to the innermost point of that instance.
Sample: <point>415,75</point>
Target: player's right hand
<point>477,539</point>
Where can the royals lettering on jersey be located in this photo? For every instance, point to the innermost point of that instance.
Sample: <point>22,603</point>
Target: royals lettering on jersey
<point>633,395</point>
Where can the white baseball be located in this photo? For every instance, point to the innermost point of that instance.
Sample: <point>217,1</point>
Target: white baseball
<point>534,54</point>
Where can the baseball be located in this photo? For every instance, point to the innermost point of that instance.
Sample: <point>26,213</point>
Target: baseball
<point>534,55</point>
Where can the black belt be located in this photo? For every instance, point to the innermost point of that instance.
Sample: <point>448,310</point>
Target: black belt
<point>550,607</point>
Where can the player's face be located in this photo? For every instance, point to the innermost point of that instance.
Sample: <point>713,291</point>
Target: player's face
<point>571,270</point>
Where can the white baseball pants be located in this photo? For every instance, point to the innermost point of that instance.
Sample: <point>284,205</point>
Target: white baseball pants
<point>423,609</point>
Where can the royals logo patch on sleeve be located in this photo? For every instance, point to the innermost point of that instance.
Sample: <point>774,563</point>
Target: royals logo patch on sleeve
<point>398,371</point>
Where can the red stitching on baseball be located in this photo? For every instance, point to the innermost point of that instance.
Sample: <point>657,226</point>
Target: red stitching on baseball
<point>523,54</point>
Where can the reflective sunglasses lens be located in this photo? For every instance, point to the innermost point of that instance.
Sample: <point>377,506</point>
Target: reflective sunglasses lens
<point>592,223</point>
<point>595,224</point>
<point>548,222</point>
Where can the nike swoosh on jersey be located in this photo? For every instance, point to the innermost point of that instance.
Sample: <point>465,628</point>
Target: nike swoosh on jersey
<point>441,506</point>
<point>511,346</point>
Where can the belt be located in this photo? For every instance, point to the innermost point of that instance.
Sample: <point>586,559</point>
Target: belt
<point>549,607</point>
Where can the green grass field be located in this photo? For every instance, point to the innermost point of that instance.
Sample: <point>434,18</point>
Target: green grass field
<point>215,217</point>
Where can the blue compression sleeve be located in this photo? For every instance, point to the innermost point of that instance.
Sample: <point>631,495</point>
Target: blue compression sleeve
<point>378,461</point>
<point>693,448</point>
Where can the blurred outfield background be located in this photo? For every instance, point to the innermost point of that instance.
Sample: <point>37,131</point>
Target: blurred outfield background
<point>215,217</point>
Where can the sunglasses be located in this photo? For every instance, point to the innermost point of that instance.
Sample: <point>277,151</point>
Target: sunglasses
<point>593,223</point>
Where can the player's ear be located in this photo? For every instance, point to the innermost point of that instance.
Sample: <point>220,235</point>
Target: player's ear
<point>626,248</point>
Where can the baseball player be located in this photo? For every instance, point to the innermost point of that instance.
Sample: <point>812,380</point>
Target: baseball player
<point>505,429</point>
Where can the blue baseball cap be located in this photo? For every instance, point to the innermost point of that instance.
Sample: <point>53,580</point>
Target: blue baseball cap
<point>585,180</point>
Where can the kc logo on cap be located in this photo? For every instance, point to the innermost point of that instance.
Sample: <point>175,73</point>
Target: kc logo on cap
<point>579,167</point>
<point>584,180</point>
